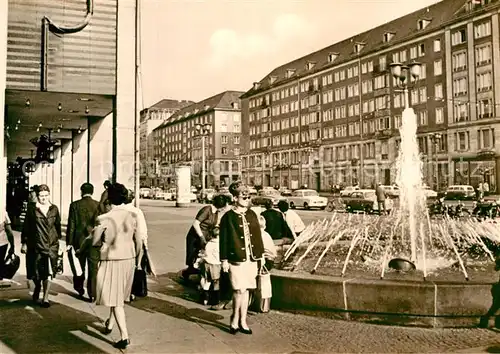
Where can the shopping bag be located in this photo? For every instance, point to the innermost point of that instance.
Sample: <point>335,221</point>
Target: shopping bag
<point>11,266</point>
<point>60,264</point>
<point>264,283</point>
<point>74,263</point>
<point>140,284</point>
<point>261,299</point>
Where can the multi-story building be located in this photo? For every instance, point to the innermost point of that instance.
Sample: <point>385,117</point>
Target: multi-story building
<point>178,141</point>
<point>332,116</point>
<point>151,118</point>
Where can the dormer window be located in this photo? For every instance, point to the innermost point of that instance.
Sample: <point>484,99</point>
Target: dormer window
<point>256,85</point>
<point>310,65</point>
<point>388,36</point>
<point>272,79</point>
<point>235,105</point>
<point>423,23</point>
<point>358,47</point>
<point>290,73</point>
<point>196,110</point>
<point>207,107</point>
<point>332,57</point>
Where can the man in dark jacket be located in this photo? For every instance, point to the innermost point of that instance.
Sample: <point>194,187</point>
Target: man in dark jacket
<point>81,221</point>
<point>276,225</point>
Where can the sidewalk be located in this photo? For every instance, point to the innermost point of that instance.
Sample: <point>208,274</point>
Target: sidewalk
<point>168,321</point>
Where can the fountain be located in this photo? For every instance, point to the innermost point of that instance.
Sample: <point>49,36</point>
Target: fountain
<point>406,251</point>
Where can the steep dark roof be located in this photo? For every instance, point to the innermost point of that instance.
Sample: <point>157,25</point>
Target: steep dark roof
<point>223,100</point>
<point>169,103</point>
<point>403,29</point>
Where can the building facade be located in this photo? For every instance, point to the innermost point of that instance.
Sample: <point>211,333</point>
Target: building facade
<point>151,118</point>
<point>177,141</point>
<point>72,86</point>
<point>332,117</point>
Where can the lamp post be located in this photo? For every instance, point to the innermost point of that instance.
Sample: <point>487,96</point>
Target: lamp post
<point>203,131</point>
<point>401,73</point>
<point>435,139</point>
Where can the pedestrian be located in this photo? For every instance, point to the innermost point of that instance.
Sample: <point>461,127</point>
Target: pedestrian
<point>197,235</point>
<point>241,248</point>
<point>81,222</point>
<point>40,240</point>
<point>116,233</point>
<point>276,225</point>
<point>292,219</point>
<point>268,243</point>
<point>210,271</point>
<point>7,247</point>
<point>381,197</point>
<point>104,205</point>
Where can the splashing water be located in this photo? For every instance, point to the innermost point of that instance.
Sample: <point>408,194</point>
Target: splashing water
<point>407,233</point>
<point>412,199</point>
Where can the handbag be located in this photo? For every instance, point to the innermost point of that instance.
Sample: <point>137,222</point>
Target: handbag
<point>11,266</point>
<point>262,298</point>
<point>60,264</point>
<point>140,284</point>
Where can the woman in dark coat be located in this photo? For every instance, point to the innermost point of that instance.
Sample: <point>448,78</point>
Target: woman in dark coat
<point>40,242</point>
<point>197,236</point>
<point>241,249</point>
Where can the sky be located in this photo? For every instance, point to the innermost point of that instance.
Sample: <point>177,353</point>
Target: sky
<point>194,49</point>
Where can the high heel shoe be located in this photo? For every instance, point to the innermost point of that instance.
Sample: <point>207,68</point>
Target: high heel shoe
<point>106,329</point>
<point>122,344</point>
<point>232,330</point>
<point>245,330</point>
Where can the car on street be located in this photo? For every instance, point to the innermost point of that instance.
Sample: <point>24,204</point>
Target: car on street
<point>285,191</point>
<point>392,191</point>
<point>159,194</point>
<point>144,192</point>
<point>365,200</point>
<point>462,195</point>
<point>307,198</point>
<point>348,190</point>
<point>267,194</point>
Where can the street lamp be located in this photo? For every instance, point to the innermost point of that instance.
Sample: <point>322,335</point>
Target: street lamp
<point>400,72</point>
<point>435,139</point>
<point>203,131</point>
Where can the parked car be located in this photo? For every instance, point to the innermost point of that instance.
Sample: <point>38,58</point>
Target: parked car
<point>460,195</point>
<point>365,200</point>
<point>391,191</point>
<point>285,191</point>
<point>429,193</point>
<point>307,198</point>
<point>267,194</point>
<point>348,190</point>
<point>160,195</point>
<point>144,192</point>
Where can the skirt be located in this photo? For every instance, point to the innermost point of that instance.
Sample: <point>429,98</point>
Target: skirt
<point>243,275</point>
<point>40,267</point>
<point>114,282</point>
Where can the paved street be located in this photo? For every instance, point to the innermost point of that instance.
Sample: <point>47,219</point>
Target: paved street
<point>170,320</point>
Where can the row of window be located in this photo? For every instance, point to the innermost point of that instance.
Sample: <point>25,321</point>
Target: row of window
<point>462,142</point>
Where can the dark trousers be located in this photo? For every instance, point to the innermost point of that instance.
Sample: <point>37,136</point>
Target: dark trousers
<point>79,280</point>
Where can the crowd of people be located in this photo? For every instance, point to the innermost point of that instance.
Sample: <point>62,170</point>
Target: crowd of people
<point>229,245</point>
<point>105,239</point>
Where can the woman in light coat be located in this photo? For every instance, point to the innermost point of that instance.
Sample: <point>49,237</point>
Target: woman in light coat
<point>121,243</point>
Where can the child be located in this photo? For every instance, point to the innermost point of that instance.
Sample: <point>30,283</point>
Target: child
<point>211,270</point>
<point>269,247</point>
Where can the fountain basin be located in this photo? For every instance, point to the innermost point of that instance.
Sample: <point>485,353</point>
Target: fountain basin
<point>402,302</point>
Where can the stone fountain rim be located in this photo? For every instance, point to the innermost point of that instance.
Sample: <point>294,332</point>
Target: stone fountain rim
<point>434,304</point>
<point>330,278</point>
